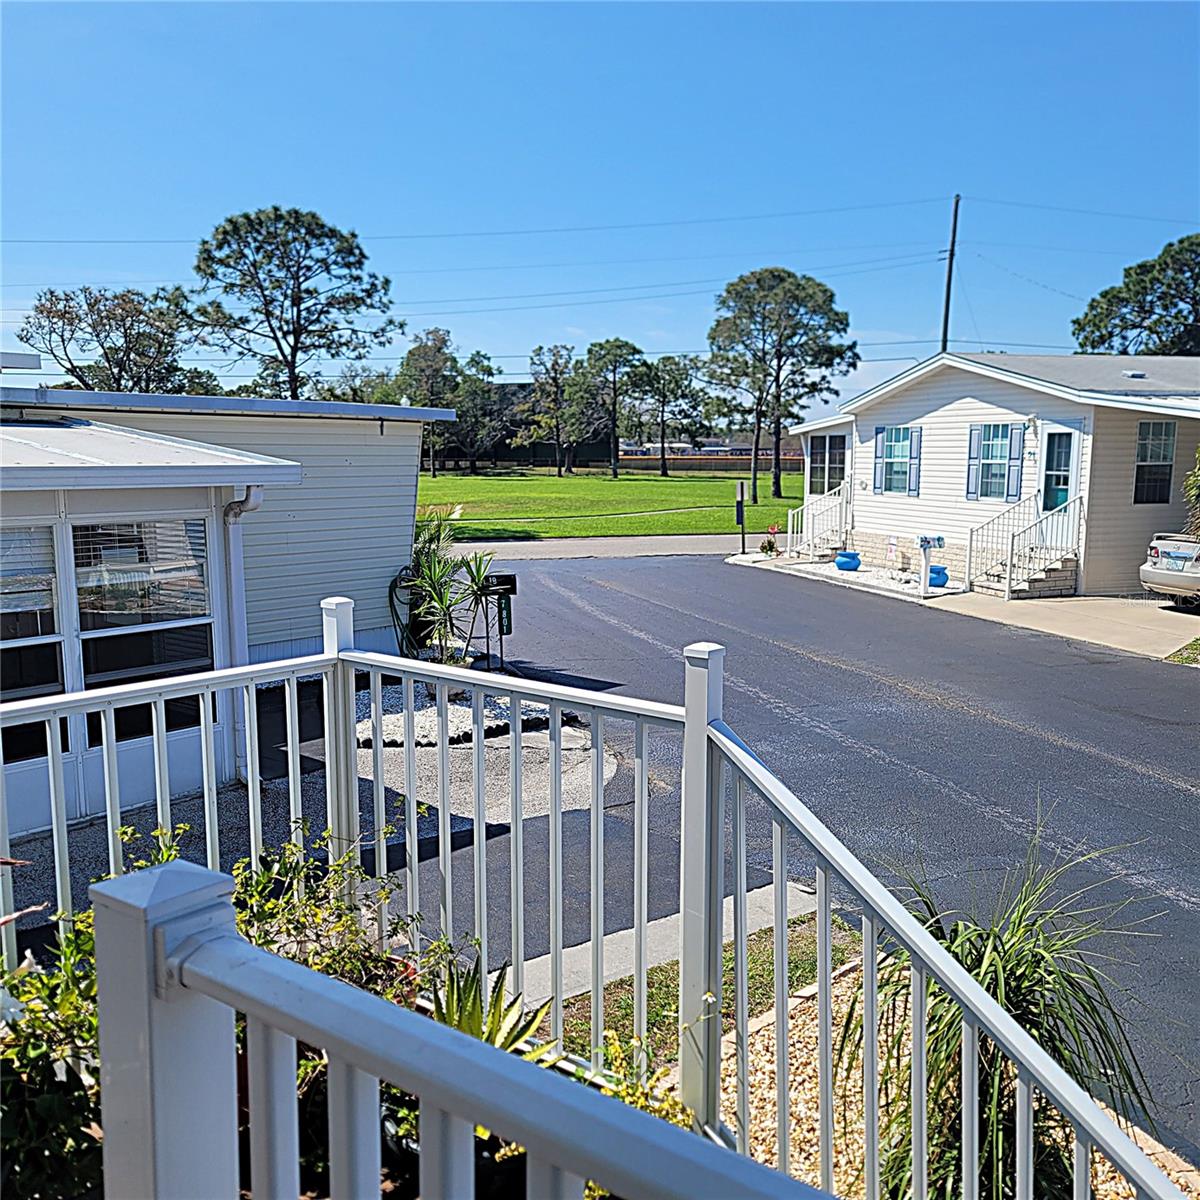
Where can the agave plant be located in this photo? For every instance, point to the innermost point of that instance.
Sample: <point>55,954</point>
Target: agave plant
<point>1039,956</point>
<point>464,1001</point>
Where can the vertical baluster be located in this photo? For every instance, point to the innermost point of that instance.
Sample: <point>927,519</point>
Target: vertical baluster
<point>545,1181</point>
<point>447,1163</point>
<point>443,747</point>
<point>412,850</point>
<point>516,842</point>
<point>112,788</point>
<point>970,1107</point>
<point>1082,1167</point>
<point>354,1141</point>
<point>479,826</point>
<point>641,883</point>
<point>870,951</point>
<point>8,905</point>
<point>162,771</point>
<point>291,704</point>
<point>274,1136</point>
<point>597,876</point>
<point>379,796</point>
<point>208,766</point>
<point>741,1002</point>
<point>779,871</point>
<point>825,1025</point>
<point>920,1149</point>
<point>1024,1135</point>
<point>253,771</point>
<point>556,887</point>
<point>58,822</point>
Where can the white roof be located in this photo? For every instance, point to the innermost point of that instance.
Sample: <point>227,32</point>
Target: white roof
<point>830,422</point>
<point>63,398</point>
<point>40,454</point>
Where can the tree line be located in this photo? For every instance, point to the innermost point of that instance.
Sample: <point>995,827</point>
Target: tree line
<point>282,289</point>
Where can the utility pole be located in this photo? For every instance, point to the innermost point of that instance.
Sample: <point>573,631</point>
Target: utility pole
<point>949,275</point>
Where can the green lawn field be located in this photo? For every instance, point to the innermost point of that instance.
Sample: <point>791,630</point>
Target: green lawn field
<point>537,504</point>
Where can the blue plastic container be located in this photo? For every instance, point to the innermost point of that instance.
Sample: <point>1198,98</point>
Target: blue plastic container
<point>938,576</point>
<point>847,560</point>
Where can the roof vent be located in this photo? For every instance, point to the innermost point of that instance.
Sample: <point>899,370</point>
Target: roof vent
<point>1134,374</point>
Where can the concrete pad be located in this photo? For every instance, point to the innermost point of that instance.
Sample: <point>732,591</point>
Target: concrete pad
<point>607,547</point>
<point>1134,624</point>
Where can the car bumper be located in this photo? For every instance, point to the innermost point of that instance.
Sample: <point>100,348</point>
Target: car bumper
<point>1169,583</point>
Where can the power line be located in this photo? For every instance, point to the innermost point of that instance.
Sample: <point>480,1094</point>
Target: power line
<point>477,233</point>
<point>1029,279</point>
<point>1086,212</point>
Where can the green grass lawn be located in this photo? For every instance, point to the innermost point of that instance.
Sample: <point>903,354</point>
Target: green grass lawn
<point>524,504</point>
<point>662,990</point>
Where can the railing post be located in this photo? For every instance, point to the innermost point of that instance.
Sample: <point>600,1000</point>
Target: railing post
<point>341,742</point>
<point>701,888</point>
<point>970,553</point>
<point>1008,566</point>
<point>168,1074</point>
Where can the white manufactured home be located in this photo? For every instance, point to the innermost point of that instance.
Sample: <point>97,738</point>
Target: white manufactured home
<point>1044,474</point>
<point>151,536</point>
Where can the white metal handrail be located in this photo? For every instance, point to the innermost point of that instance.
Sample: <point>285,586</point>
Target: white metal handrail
<point>988,544</point>
<point>883,912</point>
<point>172,973</point>
<point>818,519</point>
<point>1038,545</point>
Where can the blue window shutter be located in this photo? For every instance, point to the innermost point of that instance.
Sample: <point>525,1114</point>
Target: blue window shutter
<point>1016,457</point>
<point>914,462</point>
<point>974,451</point>
<point>878,459</point>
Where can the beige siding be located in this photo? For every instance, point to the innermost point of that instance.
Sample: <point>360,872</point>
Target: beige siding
<point>1117,529</point>
<point>346,530</point>
<point>944,406</point>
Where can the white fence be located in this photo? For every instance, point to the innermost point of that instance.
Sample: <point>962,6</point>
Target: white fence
<point>989,545</point>
<point>820,523</point>
<point>1042,543</point>
<point>231,977</point>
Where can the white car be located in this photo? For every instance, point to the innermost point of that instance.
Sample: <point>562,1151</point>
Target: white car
<point>1172,568</point>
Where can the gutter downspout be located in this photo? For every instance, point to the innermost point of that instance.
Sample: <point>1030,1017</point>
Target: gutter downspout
<point>235,581</point>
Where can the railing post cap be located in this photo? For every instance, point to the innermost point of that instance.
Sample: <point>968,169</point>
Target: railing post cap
<point>333,603</point>
<point>163,891</point>
<point>703,653</point>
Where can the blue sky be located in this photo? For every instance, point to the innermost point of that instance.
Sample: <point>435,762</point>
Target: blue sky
<point>155,121</point>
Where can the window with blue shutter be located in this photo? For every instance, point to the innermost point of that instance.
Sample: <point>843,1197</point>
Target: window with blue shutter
<point>1016,458</point>
<point>879,432</point>
<point>974,450</point>
<point>914,462</point>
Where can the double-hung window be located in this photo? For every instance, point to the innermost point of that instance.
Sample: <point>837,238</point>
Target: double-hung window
<point>826,462</point>
<point>897,442</point>
<point>1154,463</point>
<point>143,594</point>
<point>993,462</point>
<point>31,644</point>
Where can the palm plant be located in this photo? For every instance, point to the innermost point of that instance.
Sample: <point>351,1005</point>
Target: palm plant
<point>1038,957</point>
<point>464,1002</point>
<point>473,590</point>
<point>435,600</point>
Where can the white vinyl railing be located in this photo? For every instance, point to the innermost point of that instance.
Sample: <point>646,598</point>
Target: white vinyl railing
<point>172,976</point>
<point>989,545</point>
<point>231,978</point>
<point>820,522</point>
<point>1045,541</point>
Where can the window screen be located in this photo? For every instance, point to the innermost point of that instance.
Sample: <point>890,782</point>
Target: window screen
<point>26,583</point>
<point>140,573</point>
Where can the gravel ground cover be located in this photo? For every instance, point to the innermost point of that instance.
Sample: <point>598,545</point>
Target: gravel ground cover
<point>848,1123</point>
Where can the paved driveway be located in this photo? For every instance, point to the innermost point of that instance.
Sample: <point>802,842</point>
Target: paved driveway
<point>927,741</point>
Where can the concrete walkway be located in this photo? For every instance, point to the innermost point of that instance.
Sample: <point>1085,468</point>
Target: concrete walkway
<point>1132,623</point>
<point>607,547</point>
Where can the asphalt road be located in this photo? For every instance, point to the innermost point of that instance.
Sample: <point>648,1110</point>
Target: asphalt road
<point>929,743</point>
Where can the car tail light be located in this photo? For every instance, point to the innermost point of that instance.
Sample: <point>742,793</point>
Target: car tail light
<point>1153,551</point>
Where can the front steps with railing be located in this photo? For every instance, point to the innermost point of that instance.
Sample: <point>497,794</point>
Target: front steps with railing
<point>818,528</point>
<point>1060,578</point>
